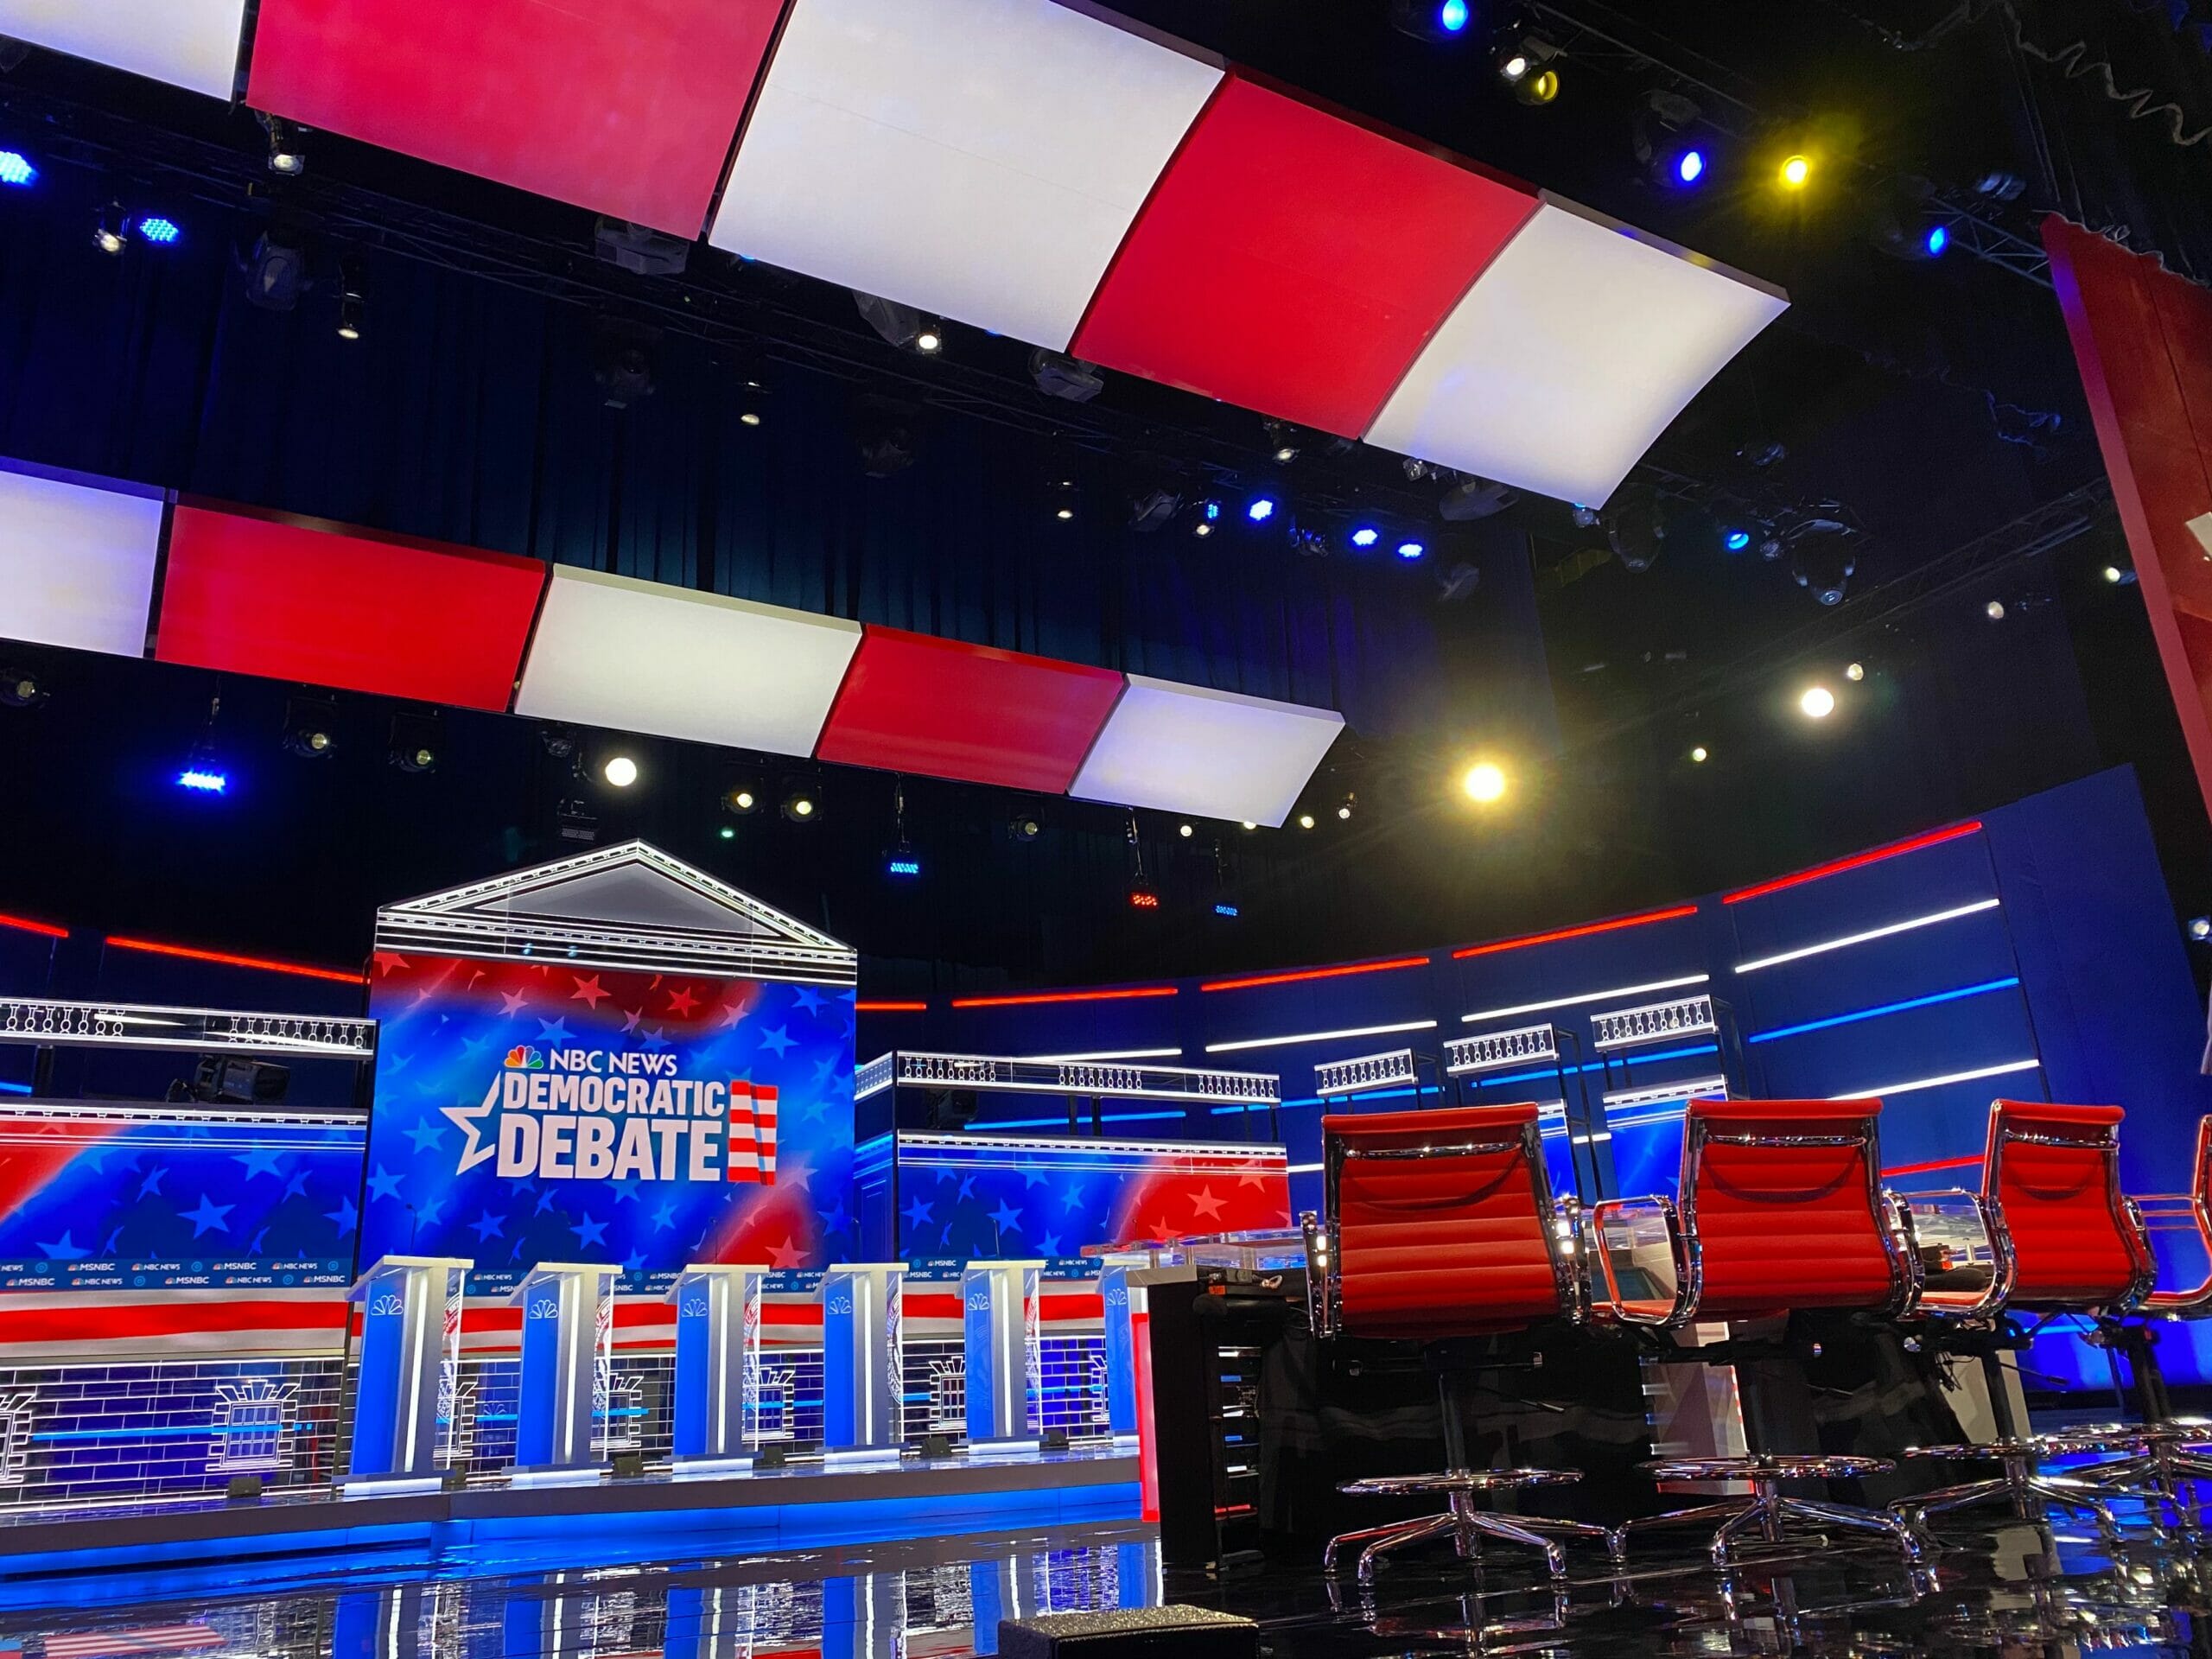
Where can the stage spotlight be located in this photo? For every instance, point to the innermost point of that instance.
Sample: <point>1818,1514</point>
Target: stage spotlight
<point>2200,927</point>
<point>1064,514</point>
<point>1452,16</point>
<point>1485,782</point>
<point>1345,811</point>
<point>885,436</point>
<point>286,156</point>
<point>1936,240</point>
<point>1024,827</point>
<point>1524,63</point>
<point>1901,223</point>
<point>1795,172</point>
<point>1282,440</point>
<point>1432,20</point>
<point>929,339</point>
<point>20,688</point>
<point>15,170</point>
<point>1994,610</point>
<point>160,229</point>
<point>349,319</point>
<point>1735,540</point>
<point>1690,166</point>
<point>901,325</point>
<point>1262,509</point>
<point>1250,824</point>
<point>1305,820</point>
<point>1537,88</point>
<point>1668,155</point>
<point>275,271</point>
<point>1143,899</point>
<point>1184,830</point>
<point>726,833</point>
<point>1365,536</point>
<point>1411,550</point>
<point>1634,527</point>
<point>621,771</point>
<point>111,232</point>
<point>202,780</point>
<point>1854,672</point>
<point>1473,499</point>
<point>902,861</point>
<point>1153,510</point>
<point>414,744</point>
<point>750,417</point>
<point>1701,755</point>
<point>1822,561</point>
<point>740,802</point>
<point>1817,702</point>
<point>2119,576</point>
<point>800,805</point>
<point>310,726</point>
<point>1070,379</point>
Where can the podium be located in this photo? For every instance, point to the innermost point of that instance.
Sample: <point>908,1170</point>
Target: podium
<point>1001,1340</point>
<point>717,1366</point>
<point>409,1358</point>
<point>1120,1299</point>
<point>863,1363</point>
<point>568,1327</point>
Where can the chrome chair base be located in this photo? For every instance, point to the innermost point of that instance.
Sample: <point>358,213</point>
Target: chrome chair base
<point>1764,1514</point>
<point>2019,1485</point>
<point>1464,1523</point>
<point>2160,1459</point>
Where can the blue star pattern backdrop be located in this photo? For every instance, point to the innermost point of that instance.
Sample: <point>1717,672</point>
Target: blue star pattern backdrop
<point>175,1199</point>
<point>531,1112</point>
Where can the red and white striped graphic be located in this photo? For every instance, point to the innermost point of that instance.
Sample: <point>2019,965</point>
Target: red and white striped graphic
<point>141,1638</point>
<point>752,1132</point>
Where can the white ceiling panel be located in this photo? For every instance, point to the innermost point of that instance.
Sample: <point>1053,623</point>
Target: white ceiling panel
<point>1215,754</point>
<point>191,43</point>
<point>77,563</point>
<point>980,159</point>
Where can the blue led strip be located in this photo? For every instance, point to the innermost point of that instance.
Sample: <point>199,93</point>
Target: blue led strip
<point>1887,1007</point>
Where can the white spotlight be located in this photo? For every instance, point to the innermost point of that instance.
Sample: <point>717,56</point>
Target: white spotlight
<point>1818,702</point>
<point>620,771</point>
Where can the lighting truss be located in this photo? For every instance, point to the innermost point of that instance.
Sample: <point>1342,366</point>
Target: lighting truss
<point>1367,1072</point>
<point>200,1031</point>
<point>1497,1049</point>
<point>1004,1074</point>
<point>1654,1023</point>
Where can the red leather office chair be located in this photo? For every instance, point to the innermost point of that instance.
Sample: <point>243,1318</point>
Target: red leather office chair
<point>1442,1223</point>
<point>1779,1208</point>
<point>2066,1241</point>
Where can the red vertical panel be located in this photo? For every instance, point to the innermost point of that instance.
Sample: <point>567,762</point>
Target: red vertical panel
<point>290,598</point>
<point>2143,340</point>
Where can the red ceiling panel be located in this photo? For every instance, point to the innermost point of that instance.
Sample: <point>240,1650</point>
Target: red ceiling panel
<point>1295,262</point>
<point>624,107</point>
<point>290,598</point>
<point>945,709</point>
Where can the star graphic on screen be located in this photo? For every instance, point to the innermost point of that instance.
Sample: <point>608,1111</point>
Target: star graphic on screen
<point>383,1183</point>
<point>589,1231</point>
<point>259,1160</point>
<point>664,1217</point>
<point>732,1014</point>
<point>1006,1218</point>
<point>1252,1178</point>
<point>388,963</point>
<point>1031,1178</point>
<point>654,1041</point>
<point>297,1186</point>
<point>544,1202</point>
<point>827,1067</point>
<point>634,1262</point>
<point>429,1210</point>
<point>472,1047</point>
<point>344,1216</point>
<point>64,1248</point>
<point>400,1063</point>
<point>488,1225</point>
<point>681,1002</point>
<point>589,992</point>
<point>917,1212</point>
<point>779,1040</point>
<point>630,1020</point>
<point>1072,1199</point>
<point>834,1221</point>
<point>553,1031</point>
<point>966,1186</point>
<point>115,1238</point>
<point>785,1255</point>
<point>795,1174</point>
<point>511,1003</point>
<point>1203,1203</point>
<point>152,1184</point>
<point>627,1194</point>
<point>260,1239</point>
<point>1049,1244</point>
<point>807,1000</point>
<point>210,1217</point>
<point>423,1137</point>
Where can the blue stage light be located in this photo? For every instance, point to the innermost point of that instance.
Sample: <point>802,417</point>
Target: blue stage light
<point>1225,910</point>
<point>1689,167</point>
<point>203,780</point>
<point>1938,239</point>
<point>908,866</point>
<point>160,231</point>
<point>1410,550</point>
<point>1262,510</point>
<point>1736,540</point>
<point>1452,16</point>
<point>15,169</point>
<point>1213,511</point>
<point>1366,536</point>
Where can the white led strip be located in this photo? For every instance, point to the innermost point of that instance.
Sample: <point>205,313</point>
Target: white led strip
<point>1953,914</point>
<point>1320,1036</point>
<point>1916,1084</point>
<point>1586,996</point>
<point>1107,1054</point>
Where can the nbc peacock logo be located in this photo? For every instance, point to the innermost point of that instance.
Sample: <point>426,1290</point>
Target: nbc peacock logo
<point>524,1057</point>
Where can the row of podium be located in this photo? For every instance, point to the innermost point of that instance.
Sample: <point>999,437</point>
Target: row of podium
<point>406,1380</point>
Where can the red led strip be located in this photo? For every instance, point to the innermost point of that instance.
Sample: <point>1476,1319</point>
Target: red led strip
<point>1940,1163</point>
<point>1061,997</point>
<point>25,924</point>
<point>891,1007</point>
<point>1672,913</point>
<point>1933,838</point>
<point>1315,973</point>
<point>230,961</point>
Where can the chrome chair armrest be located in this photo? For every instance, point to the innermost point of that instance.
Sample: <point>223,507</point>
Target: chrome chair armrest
<point>1963,1255</point>
<point>1320,1275</point>
<point>1620,1231</point>
<point>1569,1258</point>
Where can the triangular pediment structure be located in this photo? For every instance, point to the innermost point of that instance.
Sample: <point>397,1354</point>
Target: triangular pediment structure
<point>628,907</point>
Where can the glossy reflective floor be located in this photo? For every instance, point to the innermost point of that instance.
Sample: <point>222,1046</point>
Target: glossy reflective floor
<point>2010,1588</point>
